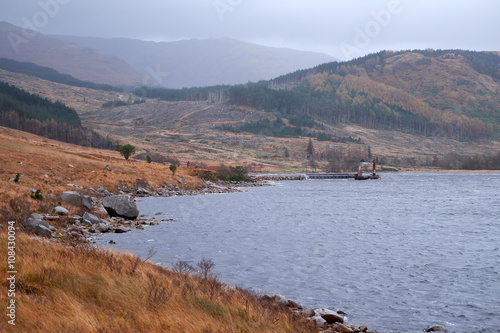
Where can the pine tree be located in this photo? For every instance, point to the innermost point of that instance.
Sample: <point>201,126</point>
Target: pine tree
<point>310,150</point>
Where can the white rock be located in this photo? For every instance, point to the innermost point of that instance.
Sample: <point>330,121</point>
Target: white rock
<point>61,211</point>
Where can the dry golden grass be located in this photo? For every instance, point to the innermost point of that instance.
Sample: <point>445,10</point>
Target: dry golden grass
<point>79,288</point>
<point>47,165</point>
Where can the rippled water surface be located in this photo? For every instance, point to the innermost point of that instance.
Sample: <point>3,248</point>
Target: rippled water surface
<point>399,254</point>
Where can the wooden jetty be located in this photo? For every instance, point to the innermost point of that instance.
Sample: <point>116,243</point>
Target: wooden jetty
<point>306,176</point>
<point>330,176</point>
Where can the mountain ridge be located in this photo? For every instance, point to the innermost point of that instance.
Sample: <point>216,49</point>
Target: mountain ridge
<point>82,63</point>
<point>203,62</point>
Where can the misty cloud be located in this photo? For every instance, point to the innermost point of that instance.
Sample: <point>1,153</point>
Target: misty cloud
<point>315,25</point>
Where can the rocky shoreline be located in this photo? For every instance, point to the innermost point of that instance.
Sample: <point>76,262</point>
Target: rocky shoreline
<point>122,213</point>
<point>119,214</point>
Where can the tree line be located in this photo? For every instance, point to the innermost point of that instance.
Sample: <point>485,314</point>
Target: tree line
<point>451,161</point>
<point>51,74</point>
<point>487,63</point>
<point>346,158</point>
<point>31,113</point>
<point>340,93</point>
<point>214,93</point>
<point>350,99</point>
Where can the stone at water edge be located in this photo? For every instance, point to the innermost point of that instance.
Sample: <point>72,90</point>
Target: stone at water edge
<point>121,206</point>
<point>102,227</point>
<point>340,328</point>
<point>121,230</point>
<point>320,322</point>
<point>437,328</point>
<point>280,299</point>
<point>329,315</point>
<point>293,304</point>
<point>142,191</point>
<point>90,219</point>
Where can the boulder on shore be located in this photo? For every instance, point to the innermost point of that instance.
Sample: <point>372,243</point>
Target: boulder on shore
<point>280,299</point>
<point>90,219</point>
<point>121,206</point>
<point>102,227</point>
<point>34,220</point>
<point>330,316</point>
<point>42,231</point>
<point>76,199</point>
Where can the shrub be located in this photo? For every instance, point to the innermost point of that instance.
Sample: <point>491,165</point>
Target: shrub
<point>232,174</point>
<point>158,158</point>
<point>173,168</point>
<point>37,195</point>
<point>126,150</point>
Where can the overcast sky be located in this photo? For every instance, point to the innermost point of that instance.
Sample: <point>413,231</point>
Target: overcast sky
<point>340,28</point>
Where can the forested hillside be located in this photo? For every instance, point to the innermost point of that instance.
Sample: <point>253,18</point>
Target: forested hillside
<point>49,74</point>
<point>451,93</point>
<point>32,113</point>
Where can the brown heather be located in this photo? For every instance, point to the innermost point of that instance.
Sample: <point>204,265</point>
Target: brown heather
<point>78,165</point>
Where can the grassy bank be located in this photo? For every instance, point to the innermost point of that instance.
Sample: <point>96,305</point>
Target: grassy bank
<point>50,166</point>
<point>81,288</point>
<point>76,287</point>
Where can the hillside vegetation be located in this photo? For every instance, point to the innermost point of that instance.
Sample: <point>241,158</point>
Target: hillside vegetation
<point>32,113</point>
<point>81,288</point>
<point>51,165</point>
<point>267,125</point>
<point>48,74</point>
<point>452,93</point>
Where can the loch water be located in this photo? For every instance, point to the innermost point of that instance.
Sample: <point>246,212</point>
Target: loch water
<point>398,254</point>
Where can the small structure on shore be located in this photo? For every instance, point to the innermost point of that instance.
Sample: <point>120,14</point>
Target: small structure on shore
<point>363,165</point>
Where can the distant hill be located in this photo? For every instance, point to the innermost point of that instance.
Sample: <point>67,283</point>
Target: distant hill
<point>451,93</point>
<point>206,62</point>
<point>80,62</point>
<point>49,74</point>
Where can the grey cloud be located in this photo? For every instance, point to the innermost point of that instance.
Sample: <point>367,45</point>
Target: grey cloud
<point>316,25</point>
